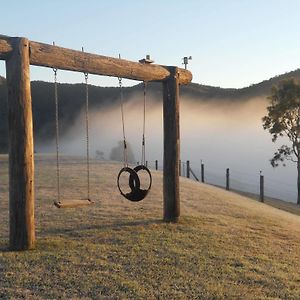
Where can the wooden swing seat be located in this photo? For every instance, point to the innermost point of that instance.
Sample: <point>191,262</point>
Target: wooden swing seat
<point>70,203</point>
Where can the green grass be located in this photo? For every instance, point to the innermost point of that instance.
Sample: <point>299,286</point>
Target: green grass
<point>225,246</point>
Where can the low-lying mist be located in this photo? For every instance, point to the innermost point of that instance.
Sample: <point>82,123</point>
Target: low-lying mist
<point>221,133</point>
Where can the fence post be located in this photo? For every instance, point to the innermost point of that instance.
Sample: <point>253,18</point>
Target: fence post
<point>156,165</point>
<point>202,172</point>
<point>261,186</point>
<point>227,179</point>
<point>180,167</point>
<point>188,169</point>
<point>146,163</point>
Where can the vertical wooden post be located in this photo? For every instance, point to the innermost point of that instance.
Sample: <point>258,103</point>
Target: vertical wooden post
<point>188,169</point>
<point>261,188</point>
<point>171,146</point>
<point>227,179</point>
<point>21,160</point>
<point>156,165</point>
<point>179,166</point>
<point>202,172</point>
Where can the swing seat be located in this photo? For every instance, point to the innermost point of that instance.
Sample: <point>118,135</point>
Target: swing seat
<point>71,203</point>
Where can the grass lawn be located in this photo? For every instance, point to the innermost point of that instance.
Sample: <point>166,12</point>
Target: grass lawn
<point>225,246</point>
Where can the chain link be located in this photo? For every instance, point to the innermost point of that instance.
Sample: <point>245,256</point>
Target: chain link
<point>56,136</point>
<point>86,76</point>
<point>125,153</point>
<point>144,125</point>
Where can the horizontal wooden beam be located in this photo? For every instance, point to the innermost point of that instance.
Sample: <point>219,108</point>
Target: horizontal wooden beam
<point>6,48</point>
<point>67,59</point>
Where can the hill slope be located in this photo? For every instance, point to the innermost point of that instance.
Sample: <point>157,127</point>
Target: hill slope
<point>225,246</point>
<point>71,101</point>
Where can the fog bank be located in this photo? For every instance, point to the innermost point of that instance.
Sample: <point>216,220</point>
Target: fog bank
<point>223,134</point>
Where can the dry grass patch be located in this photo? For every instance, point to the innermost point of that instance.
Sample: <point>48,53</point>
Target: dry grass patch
<point>225,246</point>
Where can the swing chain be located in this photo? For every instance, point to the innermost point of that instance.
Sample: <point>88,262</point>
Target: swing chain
<point>56,135</point>
<point>125,155</point>
<point>86,76</point>
<point>144,126</point>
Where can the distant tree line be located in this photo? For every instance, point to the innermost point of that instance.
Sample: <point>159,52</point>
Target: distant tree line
<point>71,101</point>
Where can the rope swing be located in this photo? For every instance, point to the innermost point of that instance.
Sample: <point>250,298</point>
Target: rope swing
<point>59,203</point>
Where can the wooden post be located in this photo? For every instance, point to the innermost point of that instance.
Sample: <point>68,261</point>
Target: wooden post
<point>227,179</point>
<point>202,172</point>
<point>188,169</point>
<point>67,59</point>
<point>261,188</point>
<point>21,160</point>
<point>171,146</point>
<point>156,165</point>
<point>179,166</point>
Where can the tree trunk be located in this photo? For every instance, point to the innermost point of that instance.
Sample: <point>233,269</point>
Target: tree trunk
<point>298,182</point>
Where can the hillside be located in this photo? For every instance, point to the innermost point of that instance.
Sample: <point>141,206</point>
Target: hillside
<point>71,98</point>
<point>225,247</point>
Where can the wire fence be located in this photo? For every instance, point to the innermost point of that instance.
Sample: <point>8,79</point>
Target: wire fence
<point>256,184</point>
<point>236,180</point>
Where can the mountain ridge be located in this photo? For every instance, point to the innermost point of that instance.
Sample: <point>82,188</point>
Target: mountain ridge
<point>263,86</point>
<point>71,98</point>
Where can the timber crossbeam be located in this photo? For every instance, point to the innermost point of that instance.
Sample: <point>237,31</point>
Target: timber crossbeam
<point>51,56</point>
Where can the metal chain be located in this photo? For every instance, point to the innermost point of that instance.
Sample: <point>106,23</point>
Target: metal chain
<point>86,76</point>
<point>144,126</point>
<point>125,154</point>
<point>56,136</point>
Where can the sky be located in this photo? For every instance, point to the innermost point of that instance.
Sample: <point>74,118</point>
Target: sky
<point>233,43</point>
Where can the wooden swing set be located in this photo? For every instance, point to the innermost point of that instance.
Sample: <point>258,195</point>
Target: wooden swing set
<point>19,53</point>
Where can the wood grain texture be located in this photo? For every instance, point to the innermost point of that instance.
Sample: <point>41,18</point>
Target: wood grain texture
<point>21,160</point>
<point>171,147</point>
<point>71,203</point>
<point>67,59</point>
<point>6,48</point>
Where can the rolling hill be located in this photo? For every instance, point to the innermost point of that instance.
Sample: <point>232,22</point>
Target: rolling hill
<point>71,100</point>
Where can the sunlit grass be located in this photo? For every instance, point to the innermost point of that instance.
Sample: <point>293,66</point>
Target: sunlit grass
<point>224,247</point>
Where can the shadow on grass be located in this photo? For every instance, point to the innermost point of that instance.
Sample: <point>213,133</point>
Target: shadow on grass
<point>113,226</point>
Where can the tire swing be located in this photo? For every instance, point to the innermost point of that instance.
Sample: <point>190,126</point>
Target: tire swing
<point>136,193</point>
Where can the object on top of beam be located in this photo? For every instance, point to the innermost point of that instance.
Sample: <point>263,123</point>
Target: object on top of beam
<point>67,59</point>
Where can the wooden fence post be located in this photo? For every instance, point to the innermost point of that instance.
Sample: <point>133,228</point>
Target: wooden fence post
<point>188,169</point>
<point>202,172</point>
<point>179,166</point>
<point>171,146</point>
<point>21,155</point>
<point>156,165</point>
<point>261,188</point>
<point>227,179</point>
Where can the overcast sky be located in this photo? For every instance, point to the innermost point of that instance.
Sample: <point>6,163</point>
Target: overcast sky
<point>234,43</point>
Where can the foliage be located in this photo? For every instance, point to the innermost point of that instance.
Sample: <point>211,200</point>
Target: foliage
<point>117,153</point>
<point>283,120</point>
<point>71,101</point>
<point>100,155</point>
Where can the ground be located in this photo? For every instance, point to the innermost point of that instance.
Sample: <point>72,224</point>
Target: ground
<point>226,246</point>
